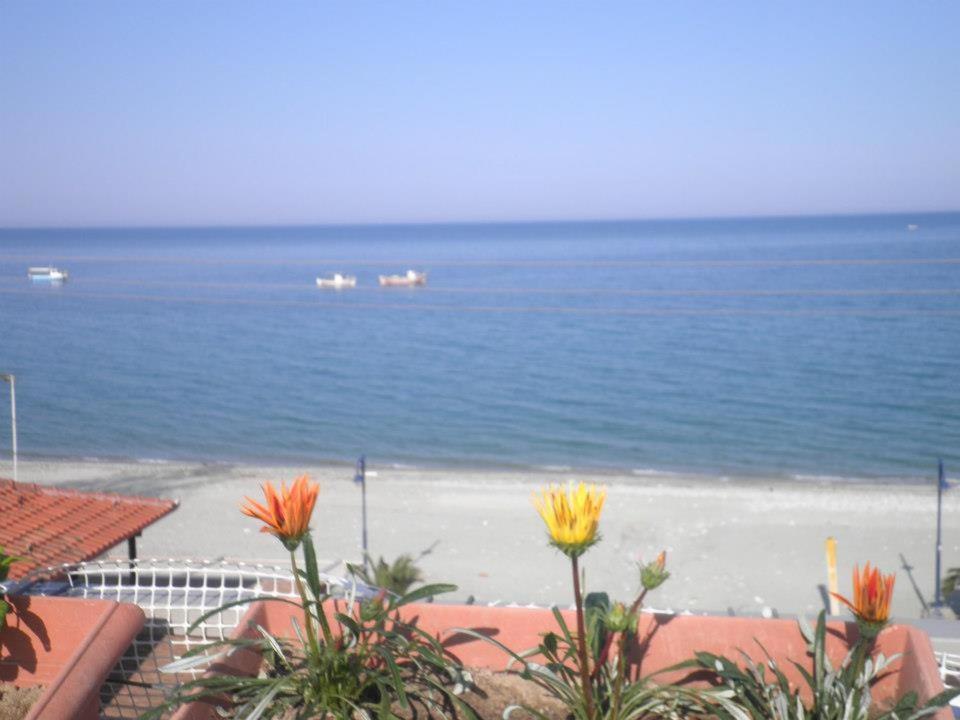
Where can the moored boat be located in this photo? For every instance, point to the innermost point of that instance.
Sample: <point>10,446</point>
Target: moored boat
<point>47,273</point>
<point>337,281</point>
<point>410,279</point>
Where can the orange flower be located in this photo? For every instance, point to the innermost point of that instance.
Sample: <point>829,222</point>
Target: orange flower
<point>872,593</point>
<point>287,513</point>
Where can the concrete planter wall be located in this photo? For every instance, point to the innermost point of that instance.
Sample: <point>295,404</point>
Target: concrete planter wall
<point>68,645</point>
<point>663,640</point>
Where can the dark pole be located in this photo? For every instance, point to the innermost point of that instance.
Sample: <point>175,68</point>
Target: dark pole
<point>940,482</point>
<point>132,554</point>
<point>361,477</point>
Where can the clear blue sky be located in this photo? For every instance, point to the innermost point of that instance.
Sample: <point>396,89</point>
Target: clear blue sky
<point>156,113</point>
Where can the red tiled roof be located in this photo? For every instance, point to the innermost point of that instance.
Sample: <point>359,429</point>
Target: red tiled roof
<point>49,525</point>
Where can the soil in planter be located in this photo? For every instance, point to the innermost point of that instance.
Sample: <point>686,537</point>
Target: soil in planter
<point>16,702</point>
<point>494,692</point>
<point>497,690</point>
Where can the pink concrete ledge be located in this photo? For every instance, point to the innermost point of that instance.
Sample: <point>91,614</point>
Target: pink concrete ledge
<point>69,646</point>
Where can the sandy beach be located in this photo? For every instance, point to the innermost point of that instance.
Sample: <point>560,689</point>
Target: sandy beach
<point>742,546</point>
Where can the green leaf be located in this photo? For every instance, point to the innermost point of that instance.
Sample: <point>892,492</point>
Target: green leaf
<point>509,710</point>
<point>685,665</point>
<point>349,623</point>
<point>819,650</point>
<point>550,642</point>
<point>492,641</point>
<point>395,676</point>
<point>425,592</point>
<point>199,655</point>
<point>806,674</point>
<point>297,630</point>
<point>226,606</point>
<point>942,699</point>
<point>266,700</point>
<point>596,605</point>
<point>310,561</point>
<point>274,644</point>
<point>597,601</point>
<point>562,624</point>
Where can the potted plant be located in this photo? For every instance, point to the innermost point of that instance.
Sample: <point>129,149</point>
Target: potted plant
<point>338,657</point>
<point>67,646</point>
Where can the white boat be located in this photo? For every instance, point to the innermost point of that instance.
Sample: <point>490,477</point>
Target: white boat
<point>47,273</point>
<point>337,281</point>
<point>912,227</point>
<point>411,279</point>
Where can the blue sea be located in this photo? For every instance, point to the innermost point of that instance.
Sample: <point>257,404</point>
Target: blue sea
<point>799,348</point>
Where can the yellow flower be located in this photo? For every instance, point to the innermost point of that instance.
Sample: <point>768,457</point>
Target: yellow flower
<point>287,513</point>
<point>571,515</point>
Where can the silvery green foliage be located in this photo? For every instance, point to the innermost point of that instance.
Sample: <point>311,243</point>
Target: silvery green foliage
<point>760,691</point>
<point>397,577</point>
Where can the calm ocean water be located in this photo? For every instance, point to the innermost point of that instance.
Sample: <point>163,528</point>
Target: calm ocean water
<point>799,347</point>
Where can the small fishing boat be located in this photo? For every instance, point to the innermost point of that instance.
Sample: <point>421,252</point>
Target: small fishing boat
<point>411,279</point>
<point>47,274</point>
<point>337,281</point>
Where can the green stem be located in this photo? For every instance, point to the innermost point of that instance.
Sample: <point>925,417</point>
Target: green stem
<point>621,671</point>
<point>860,655</point>
<point>638,602</point>
<point>307,615</point>
<point>582,643</point>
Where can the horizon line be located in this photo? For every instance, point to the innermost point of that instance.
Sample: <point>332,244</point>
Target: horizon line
<point>439,223</point>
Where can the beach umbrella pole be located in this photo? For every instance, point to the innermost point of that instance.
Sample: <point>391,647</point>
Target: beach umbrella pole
<point>941,481</point>
<point>361,478</point>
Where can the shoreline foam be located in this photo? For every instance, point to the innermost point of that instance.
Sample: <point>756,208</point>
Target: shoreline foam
<point>453,466</point>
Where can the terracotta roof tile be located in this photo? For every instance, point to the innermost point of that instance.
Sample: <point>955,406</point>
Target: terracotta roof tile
<point>50,525</point>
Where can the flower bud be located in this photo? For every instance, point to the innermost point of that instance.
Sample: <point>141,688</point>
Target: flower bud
<point>654,574</point>
<point>619,619</point>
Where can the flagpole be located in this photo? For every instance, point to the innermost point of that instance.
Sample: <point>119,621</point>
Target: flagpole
<point>940,482</point>
<point>361,477</point>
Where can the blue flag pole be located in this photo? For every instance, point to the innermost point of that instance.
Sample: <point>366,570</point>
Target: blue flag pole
<point>361,478</point>
<point>941,483</point>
